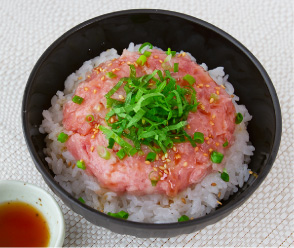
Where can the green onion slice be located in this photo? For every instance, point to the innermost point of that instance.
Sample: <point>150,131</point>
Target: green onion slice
<point>62,137</point>
<point>121,215</point>
<point>111,75</point>
<point>199,137</point>
<point>110,143</point>
<point>183,218</point>
<point>147,54</point>
<point>151,156</point>
<point>190,79</point>
<point>225,176</point>
<point>89,118</point>
<point>216,157</point>
<point>144,45</point>
<point>77,99</point>
<point>225,144</point>
<point>176,67</point>
<point>81,164</point>
<point>82,200</point>
<point>239,118</point>
<point>103,152</point>
<point>121,154</point>
<point>154,178</point>
<point>170,52</point>
<point>141,60</point>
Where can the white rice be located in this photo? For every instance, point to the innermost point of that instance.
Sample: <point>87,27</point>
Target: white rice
<point>201,199</point>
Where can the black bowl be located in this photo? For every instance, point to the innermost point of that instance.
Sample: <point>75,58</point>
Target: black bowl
<point>164,29</point>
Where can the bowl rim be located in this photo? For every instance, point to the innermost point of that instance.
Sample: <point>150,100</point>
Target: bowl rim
<point>219,213</point>
<point>17,184</point>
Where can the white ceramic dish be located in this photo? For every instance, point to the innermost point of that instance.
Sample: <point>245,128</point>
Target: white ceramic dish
<point>41,200</point>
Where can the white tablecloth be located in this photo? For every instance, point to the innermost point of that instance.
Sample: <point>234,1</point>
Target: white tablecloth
<point>27,28</point>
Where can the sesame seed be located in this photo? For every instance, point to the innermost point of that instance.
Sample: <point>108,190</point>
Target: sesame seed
<point>147,162</point>
<point>250,172</point>
<point>196,149</point>
<point>93,136</point>
<point>219,202</point>
<point>155,169</point>
<point>163,157</point>
<point>205,154</point>
<point>95,91</point>
<point>88,76</point>
<point>161,167</point>
<point>206,138</point>
<point>211,100</point>
<point>73,166</point>
<point>102,78</point>
<point>166,155</point>
<point>86,89</point>
<point>121,97</point>
<point>168,160</point>
<point>208,142</point>
<point>213,116</point>
<point>210,150</point>
<point>166,172</point>
<point>111,120</point>
<point>160,61</point>
<point>164,166</point>
<point>183,54</point>
<point>177,137</point>
<point>82,160</point>
<point>104,70</point>
<point>135,64</point>
<point>122,62</point>
<point>178,156</point>
<point>207,85</point>
<point>155,56</point>
<point>183,200</point>
<point>217,92</point>
<point>92,148</point>
<point>217,144</point>
<point>96,131</point>
<point>174,148</point>
<point>160,173</point>
<point>128,62</point>
<point>185,164</point>
<point>200,85</point>
<point>217,88</point>
<point>157,157</point>
<point>109,64</point>
<point>211,123</point>
<point>69,163</point>
<point>188,126</point>
<point>80,78</point>
<point>213,184</point>
<point>100,69</point>
<point>223,86</point>
<point>98,108</point>
<point>219,194</point>
<point>113,70</point>
<point>232,96</point>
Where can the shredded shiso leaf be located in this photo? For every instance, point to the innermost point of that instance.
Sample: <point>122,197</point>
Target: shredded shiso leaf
<point>154,113</point>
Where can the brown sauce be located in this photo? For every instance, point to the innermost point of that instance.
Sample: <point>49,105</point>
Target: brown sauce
<point>22,225</point>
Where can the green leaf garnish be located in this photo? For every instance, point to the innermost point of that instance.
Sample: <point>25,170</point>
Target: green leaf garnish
<point>111,75</point>
<point>121,215</point>
<point>81,164</point>
<point>151,156</point>
<point>190,79</point>
<point>199,137</point>
<point>183,218</point>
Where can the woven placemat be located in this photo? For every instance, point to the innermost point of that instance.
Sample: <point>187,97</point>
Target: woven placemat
<point>27,28</point>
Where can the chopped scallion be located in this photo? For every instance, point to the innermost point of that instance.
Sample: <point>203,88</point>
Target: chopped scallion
<point>190,79</point>
<point>170,52</point>
<point>62,137</point>
<point>110,143</point>
<point>199,137</point>
<point>121,215</point>
<point>225,144</point>
<point>81,164</point>
<point>176,67</point>
<point>225,176</point>
<point>81,200</point>
<point>183,218</point>
<point>239,118</point>
<point>216,157</point>
<point>154,178</point>
<point>147,54</point>
<point>111,75</point>
<point>144,45</point>
<point>151,156</point>
<point>89,118</point>
<point>141,60</point>
<point>103,152</point>
<point>77,99</point>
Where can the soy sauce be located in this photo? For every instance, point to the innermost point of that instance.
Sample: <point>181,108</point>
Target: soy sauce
<point>22,225</point>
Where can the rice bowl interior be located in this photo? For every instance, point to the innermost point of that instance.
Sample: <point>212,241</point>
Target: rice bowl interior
<point>194,201</point>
